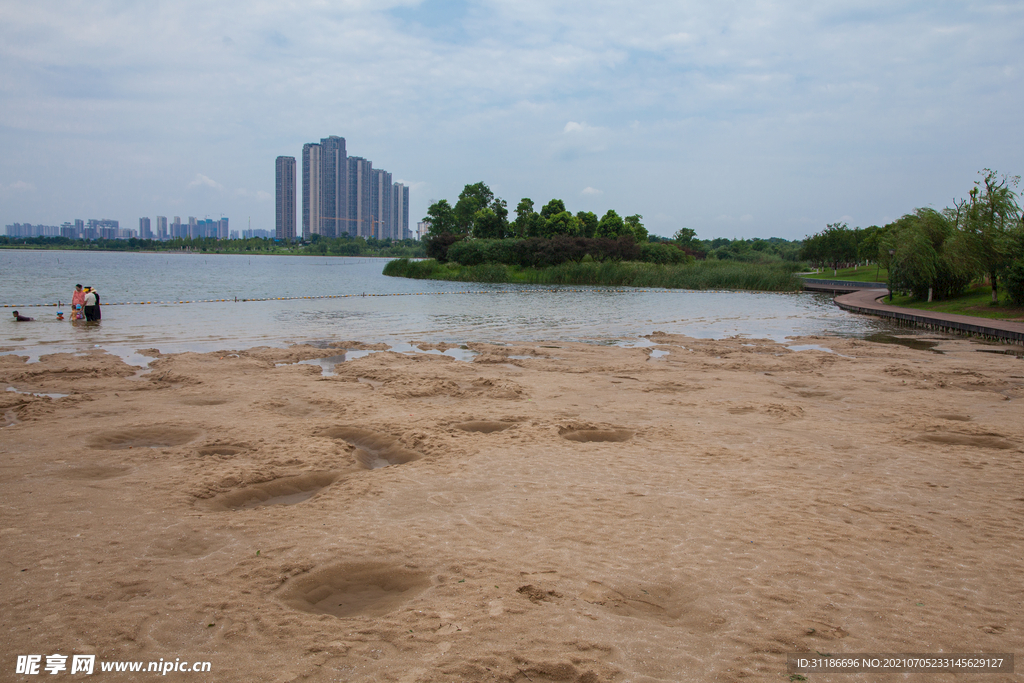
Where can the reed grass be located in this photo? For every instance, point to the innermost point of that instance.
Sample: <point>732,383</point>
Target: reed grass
<point>765,277</point>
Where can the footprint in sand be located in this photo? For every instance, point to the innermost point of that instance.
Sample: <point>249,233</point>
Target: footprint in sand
<point>484,426</point>
<point>282,491</point>
<point>596,435</point>
<point>222,449</point>
<point>153,436</point>
<point>373,450</point>
<point>354,590</point>
<point>94,472</point>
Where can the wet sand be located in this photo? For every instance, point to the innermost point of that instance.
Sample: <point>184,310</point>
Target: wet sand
<point>546,512</point>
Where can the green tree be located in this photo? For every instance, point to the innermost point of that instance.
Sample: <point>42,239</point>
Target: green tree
<point>989,218</point>
<point>473,198</point>
<point>612,225</point>
<point>554,207</point>
<point>927,256</point>
<point>442,218</point>
<point>563,223</point>
<point>488,225</point>
<point>588,223</point>
<point>527,223</point>
<point>835,246</point>
<point>685,237</point>
<point>637,228</point>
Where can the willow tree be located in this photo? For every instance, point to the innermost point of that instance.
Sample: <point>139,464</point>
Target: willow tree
<point>989,219</point>
<point>927,256</point>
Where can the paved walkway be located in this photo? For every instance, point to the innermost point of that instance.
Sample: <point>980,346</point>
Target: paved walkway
<point>839,286</point>
<point>864,301</point>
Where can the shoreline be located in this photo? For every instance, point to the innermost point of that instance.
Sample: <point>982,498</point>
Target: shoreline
<point>544,511</point>
<point>191,253</point>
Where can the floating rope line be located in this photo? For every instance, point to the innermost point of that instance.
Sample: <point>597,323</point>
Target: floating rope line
<point>345,296</point>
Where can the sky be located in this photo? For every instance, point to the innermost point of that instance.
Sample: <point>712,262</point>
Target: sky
<point>734,118</point>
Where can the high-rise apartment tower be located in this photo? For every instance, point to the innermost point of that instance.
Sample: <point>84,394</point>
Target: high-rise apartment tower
<point>333,187</point>
<point>312,190</point>
<point>285,202</point>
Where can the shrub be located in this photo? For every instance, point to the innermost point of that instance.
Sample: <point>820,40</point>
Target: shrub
<point>467,252</point>
<point>1015,282</point>
<point>660,252</point>
<point>438,245</point>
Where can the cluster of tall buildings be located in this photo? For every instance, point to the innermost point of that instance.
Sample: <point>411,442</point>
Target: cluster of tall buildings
<point>92,229</point>
<point>194,228</point>
<point>341,195</point>
<point>107,229</point>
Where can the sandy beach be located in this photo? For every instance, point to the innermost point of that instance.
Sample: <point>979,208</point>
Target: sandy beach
<point>543,512</point>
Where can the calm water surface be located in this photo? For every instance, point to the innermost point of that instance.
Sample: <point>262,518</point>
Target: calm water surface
<point>412,310</point>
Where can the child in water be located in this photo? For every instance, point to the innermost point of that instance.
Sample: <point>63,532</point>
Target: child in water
<point>60,315</point>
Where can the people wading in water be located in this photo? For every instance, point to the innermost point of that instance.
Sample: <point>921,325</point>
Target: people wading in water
<point>92,304</point>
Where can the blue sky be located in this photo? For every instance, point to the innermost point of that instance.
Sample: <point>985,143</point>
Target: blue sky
<point>736,119</point>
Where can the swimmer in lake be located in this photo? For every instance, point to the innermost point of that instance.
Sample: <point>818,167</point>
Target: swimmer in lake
<point>22,318</point>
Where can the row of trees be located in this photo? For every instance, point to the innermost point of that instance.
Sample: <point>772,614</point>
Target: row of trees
<point>539,252</point>
<point>938,254</point>
<point>837,246</point>
<point>340,246</point>
<point>479,214</point>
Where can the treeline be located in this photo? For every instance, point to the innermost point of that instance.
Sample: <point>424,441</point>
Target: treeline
<point>938,254</point>
<point>317,246</point>
<point>477,230</point>
<point>539,252</point>
<point>478,214</point>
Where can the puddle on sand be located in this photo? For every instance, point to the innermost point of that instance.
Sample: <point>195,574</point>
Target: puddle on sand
<point>814,347</point>
<point>32,393</point>
<point>1018,352</point>
<point>328,363</point>
<point>461,352</point>
<point>909,342</point>
<point>639,343</point>
<point>657,353</point>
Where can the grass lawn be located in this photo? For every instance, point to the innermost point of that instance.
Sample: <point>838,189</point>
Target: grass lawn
<point>858,274</point>
<point>976,302</point>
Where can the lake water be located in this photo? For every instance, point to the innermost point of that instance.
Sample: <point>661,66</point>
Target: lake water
<point>369,306</point>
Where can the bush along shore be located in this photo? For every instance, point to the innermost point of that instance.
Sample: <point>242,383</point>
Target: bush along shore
<point>772,277</point>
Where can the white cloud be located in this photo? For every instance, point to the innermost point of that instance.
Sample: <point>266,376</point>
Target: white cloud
<point>19,186</point>
<point>258,195</point>
<point>203,181</point>
<point>580,128</point>
<point>580,138</point>
<point>591,191</point>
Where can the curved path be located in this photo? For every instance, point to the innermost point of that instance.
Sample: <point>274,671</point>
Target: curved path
<point>866,301</point>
